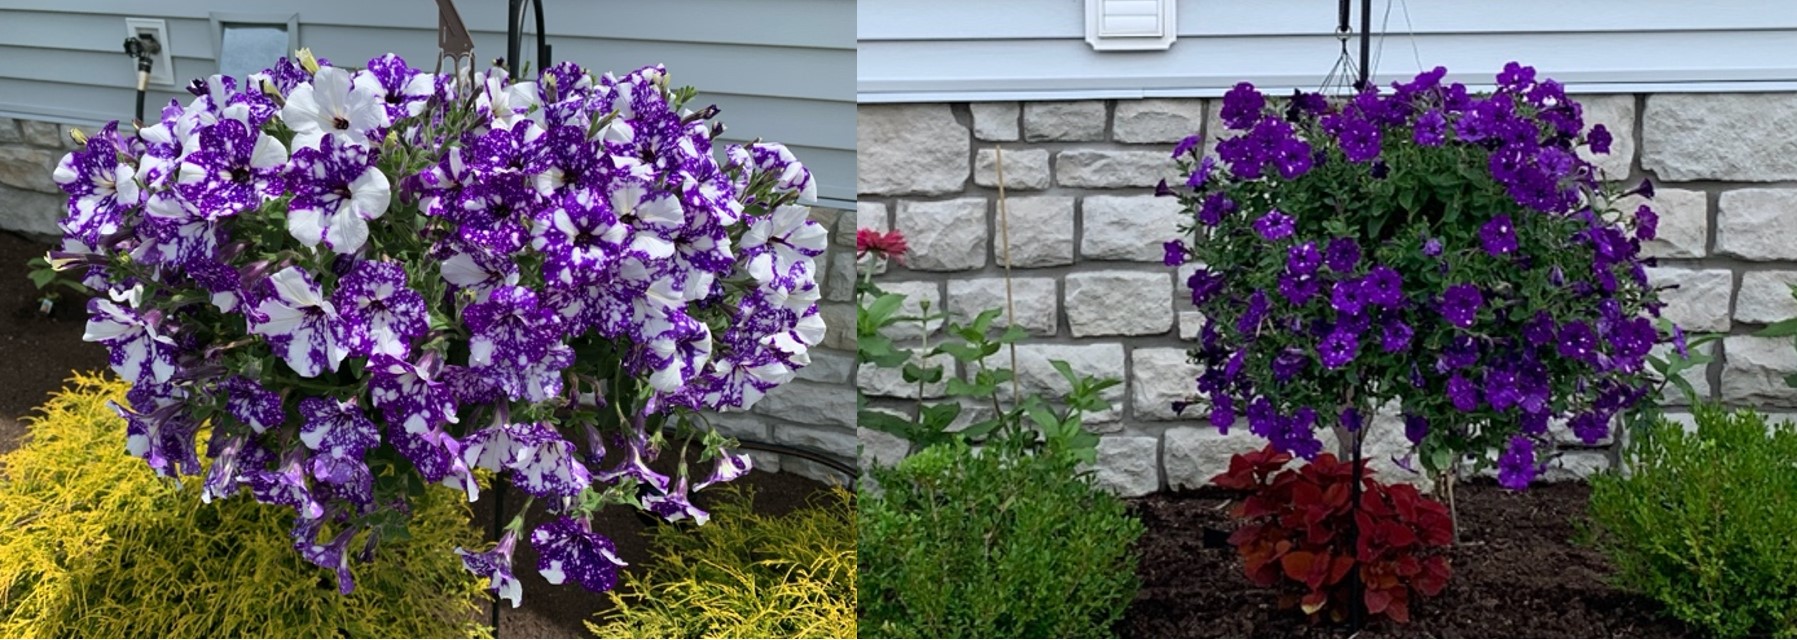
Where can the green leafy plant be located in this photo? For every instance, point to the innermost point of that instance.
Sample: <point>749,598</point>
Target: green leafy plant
<point>999,542</point>
<point>971,345</point>
<point>745,575</point>
<point>1783,329</point>
<point>93,544</point>
<point>1702,521</point>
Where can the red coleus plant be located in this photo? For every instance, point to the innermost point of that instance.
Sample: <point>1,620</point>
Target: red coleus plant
<point>1298,532</point>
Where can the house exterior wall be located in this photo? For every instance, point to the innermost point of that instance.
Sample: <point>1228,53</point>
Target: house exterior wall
<point>957,51</point>
<point>779,69</point>
<point>1085,233</point>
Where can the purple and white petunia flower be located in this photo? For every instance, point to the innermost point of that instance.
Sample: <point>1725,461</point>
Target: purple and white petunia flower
<point>781,247</point>
<point>568,548</point>
<point>542,462</point>
<point>404,91</point>
<point>729,466</point>
<point>674,506</point>
<point>251,404</point>
<point>140,353</point>
<point>637,454</point>
<point>236,168</point>
<point>496,567</point>
<point>299,324</point>
<point>157,430</point>
<point>335,104</point>
<point>340,435</point>
<point>286,485</point>
<point>101,186</point>
<point>379,314</point>
<point>408,395</point>
<point>337,189</point>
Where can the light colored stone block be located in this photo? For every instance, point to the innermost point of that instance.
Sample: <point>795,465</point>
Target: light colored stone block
<point>829,366</point>
<point>1757,224</point>
<point>27,168</point>
<point>1080,121</point>
<point>995,121</point>
<point>914,149</point>
<point>1191,456</point>
<point>1111,169</point>
<point>890,382</point>
<point>1036,374</point>
<point>948,235</point>
<point>916,292</point>
<point>1699,301</point>
<point>812,404</point>
<point>1159,378</point>
<point>1128,466</point>
<point>1040,228</point>
<point>1617,114</point>
<point>1025,169</point>
<point>43,134</point>
<point>1129,227</point>
<point>1576,464</point>
<point>1035,301</point>
<point>1118,303</point>
<point>33,211</point>
<point>880,449</point>
<point>1765,297</point>
<point>1746,137</point>
<point>1754,371</point>
<point>1157,120</point>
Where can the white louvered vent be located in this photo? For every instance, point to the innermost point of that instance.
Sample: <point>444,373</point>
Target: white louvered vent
<point>1130,25</point>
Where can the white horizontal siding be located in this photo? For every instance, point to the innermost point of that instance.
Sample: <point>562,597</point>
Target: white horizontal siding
<point>931,50</point>
<point>780,70</point>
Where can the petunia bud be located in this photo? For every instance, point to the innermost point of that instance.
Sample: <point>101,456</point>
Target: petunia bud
<point>307,60</point>
<point>76,135</point>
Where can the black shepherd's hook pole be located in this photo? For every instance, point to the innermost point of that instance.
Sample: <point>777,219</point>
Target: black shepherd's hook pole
<point>514,35</point>
<point>1366,41</point>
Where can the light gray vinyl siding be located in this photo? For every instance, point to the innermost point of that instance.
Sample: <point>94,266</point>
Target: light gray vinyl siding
<point>966,50</point>
<point>780,70</point>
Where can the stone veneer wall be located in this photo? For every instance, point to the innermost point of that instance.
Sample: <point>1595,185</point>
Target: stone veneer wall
<point>1086,233</point>
<point>816,411</point>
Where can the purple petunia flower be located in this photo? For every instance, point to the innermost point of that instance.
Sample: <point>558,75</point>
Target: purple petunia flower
<point>1185,145</point>
<point>1395,337</point>
<point>1516,467</point>
<point>1463,393</point>
<point>1415,428</point>
<point>1431,128</point>
<point>1242,106</point>
<point>1343,255</point>
<point>1204,284</point>
<point>1222,413</point>
<point>1647,223</point>
<point>1498,236</point>
<point>1383,286</point>
<point>1432,247</point>
<point>1460,305</point>
<point>568,548</point>
<point>1303,259</point>
<point>1274,226</point>
<point>1299,288</point>
<point>1347,297</point>
<point>1338,349</point>
<point>1214,207</point>
<point>1175,253</point>
<point>1599,139</point>
<point>1578,342</point>
<point>1249,323</point>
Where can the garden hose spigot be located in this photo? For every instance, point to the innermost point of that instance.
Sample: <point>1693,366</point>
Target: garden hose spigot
<point>143,48</point>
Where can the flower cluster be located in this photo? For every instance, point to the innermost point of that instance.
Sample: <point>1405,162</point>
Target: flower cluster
<point>1425,247</point>
<point>334,274</point>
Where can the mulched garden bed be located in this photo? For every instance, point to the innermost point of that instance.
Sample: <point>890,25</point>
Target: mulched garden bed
<point>1517,573</point>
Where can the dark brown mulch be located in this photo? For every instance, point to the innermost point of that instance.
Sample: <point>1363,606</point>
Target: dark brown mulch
<point>1517,573</point>
<point>38,351</point>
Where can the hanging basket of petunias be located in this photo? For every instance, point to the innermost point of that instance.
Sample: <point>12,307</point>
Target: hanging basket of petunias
<point>363,281</point>
<point>1447,255</point>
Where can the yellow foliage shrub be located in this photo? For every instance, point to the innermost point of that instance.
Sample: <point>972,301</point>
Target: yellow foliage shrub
<point>93,544</point>
<point>745,575</point>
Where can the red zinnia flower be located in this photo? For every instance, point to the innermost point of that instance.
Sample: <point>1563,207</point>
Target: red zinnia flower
<point>885,245</point>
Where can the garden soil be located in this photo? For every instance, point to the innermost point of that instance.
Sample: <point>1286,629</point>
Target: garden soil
<point>40,350</point>
<point>1517,572</point>
<point>37,352</point>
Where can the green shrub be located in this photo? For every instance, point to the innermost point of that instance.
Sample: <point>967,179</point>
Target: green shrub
<point>1704,523</point>
<point>744,575</point>
<point>997,543</point>
<point>92,544</point>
